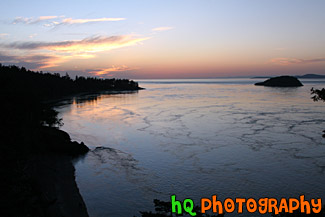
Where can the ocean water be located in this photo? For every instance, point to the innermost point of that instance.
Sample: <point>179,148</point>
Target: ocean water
<point>194,139</point>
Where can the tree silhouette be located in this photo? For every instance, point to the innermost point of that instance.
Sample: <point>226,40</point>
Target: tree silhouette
<point>318,95</point>
<point>164,209</point>
<point>299,214</point>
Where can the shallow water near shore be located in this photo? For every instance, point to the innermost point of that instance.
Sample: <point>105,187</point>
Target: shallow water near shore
<point>196,138</point>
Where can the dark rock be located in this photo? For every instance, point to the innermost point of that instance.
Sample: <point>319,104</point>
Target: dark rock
<point>54,187</point>
<point>57,141</point>
<point>282,81</point>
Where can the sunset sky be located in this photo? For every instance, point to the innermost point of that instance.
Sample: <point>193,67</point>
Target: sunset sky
<point>165,38</point>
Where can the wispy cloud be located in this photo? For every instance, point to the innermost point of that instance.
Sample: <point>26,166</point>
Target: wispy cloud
<point>91,44</point>
<point>32,61</point>
<point>6,58</point>
<point>163,28</point>
<point>2,35</point>
<point>81,21</point>
<point>32,20</point>
<point>62,51</point>
<point>289,61</point>
<point>37,61</point>
<point>106,71</point>
<point>52,21</point>
<point>32,35</point>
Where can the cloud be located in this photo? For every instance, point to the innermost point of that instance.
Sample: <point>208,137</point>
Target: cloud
<point>90,44</point>
<point>6,58</point>
<point>38,60</point>
<point>47,17</point>
<point>289,61</point>
<point>32,35</point>
<point>163,28</point>
<point>106,71</point>
<point>51,54</point>
<point>43,61</point>
<point>2,35</point>
<point>32,61</point>
<point>60,20</point>
<point>81,21</point>
<point>31,20</point>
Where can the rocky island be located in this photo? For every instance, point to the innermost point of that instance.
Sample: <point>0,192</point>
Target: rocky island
<point>281,81</point>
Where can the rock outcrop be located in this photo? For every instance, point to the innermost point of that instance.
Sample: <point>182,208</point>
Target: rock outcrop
<point>281,81</point>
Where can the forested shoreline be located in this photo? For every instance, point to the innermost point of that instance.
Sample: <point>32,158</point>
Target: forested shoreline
<point>35,156</point>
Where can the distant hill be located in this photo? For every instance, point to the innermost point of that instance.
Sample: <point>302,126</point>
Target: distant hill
<point>310,76</point>
<point>261,77</point>
<point>297,76</point>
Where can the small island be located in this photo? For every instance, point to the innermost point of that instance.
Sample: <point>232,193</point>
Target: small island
<point>281,81</point>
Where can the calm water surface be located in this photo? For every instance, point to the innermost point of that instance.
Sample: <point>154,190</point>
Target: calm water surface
<point>196,138</point>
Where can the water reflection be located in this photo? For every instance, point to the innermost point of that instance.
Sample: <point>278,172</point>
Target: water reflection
<point>92,98</point>
<point>195,140</point>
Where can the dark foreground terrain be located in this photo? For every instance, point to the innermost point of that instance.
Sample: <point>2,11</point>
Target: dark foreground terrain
<point>37,176</point>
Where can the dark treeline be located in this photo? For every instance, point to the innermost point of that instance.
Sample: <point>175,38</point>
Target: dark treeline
<point>49,86</point>
<point>30,138</point>
<point>23,93</point>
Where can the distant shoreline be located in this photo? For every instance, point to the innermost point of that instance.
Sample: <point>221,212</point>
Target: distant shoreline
<point>306,76</point>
